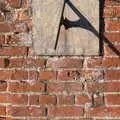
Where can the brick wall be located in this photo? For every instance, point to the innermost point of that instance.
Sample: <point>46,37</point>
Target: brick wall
<point>57,88</point>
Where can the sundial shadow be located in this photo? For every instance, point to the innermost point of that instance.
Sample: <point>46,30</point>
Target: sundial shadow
<point>84,23</point>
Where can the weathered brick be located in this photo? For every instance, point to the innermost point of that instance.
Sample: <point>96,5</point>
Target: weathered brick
<point>2,39</point>
<point>65,63</point>
<point>92,75</point>
<point>5,74</point>
<point>112,87</point>
<point>83,99</point>
<point>19,75</point>
<point>15,3</point>
<point>112,99</point>
<point>2,110</point>
<point>112,12</point>
<point>19,99</point>
<point>4,27</point>
<point>12,39</point>
<point>65,99</point>
<point>98,99</point>
<point>37,86</point>
<point>65,111</point>
<point>47,99</point>
<point>112,25</point>
<point>68,75</point>
<point>26,111</point>
<point>4,98</point>
<point>104,111</point>
<point>27,63</point>
<point>112,2</point>
<point>94,62</point>
<point>111,62</point>
<point>47,75</point>
<point>13,51</point>
<point>2,62</point>
<point>19,86</point>
<point>3,85</point>
<point>65,87</point>
<point>112,51</point>
<point>21,27</point>
<point>113,37</point>
<point>112,75</point>
<point>33,75</point>
<point>34,99</point>
<point>24,15</point>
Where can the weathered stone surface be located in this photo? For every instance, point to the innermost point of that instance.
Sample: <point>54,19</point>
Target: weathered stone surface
<point>78,36</point>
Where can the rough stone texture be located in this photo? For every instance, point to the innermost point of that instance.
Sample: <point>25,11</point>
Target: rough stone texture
<point>81,36</point>
<point>57,88</point>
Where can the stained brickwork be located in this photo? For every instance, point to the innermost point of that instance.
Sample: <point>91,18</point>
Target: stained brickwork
<point>57,88</point>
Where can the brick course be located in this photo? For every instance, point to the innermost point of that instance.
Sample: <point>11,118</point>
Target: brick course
<point>57,88</point>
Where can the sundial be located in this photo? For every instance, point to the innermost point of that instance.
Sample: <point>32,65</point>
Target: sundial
<point>66,27</point>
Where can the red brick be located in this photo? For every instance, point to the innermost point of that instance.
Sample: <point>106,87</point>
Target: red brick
<point>98,99</point>
<point>19,99</point>
<point>95,87</point>
<point>26,111</point>
<point>112,51</point>
<point>33,75</point>
<point>65,63</point>
<point>19,86</point>
<point>15,3</point>
<point>47,75</point>
<point>38,119</point>
<point>2,39</point>
<point>112,2</point>
<point>19,75</point>
<point>13,119</point>
<point>37,111</point>
<point>34,99</point>
<point>112,75</point>
<point>66,99</point>
<point>112,87</point>
<point>5,74</point>
<point>4,27</point>
<point>23,15</point>
<point>37,86</point>
<point>13,75</point>
<point>4,98</point>
<point>2,62</point>
<point>17,111</point>
<point>2,18</point>
<point>113,37</point>
<point>3,86</point>
<point>13,51</point>
<point>47,99</point>
<point>65,111</point>
<point>104,111</point>
<point>83,99</point>
<point>92,75</point>
<point>112,12</point>
<point>94,62</point>
<point>112,99</point>
<point>71,119</point>
<point>68,75</point>
<point>21,27</point>
<point>12,39</point>
<point>27,63</point>
<point>78,75</point>
<point>4,118</point>
<point>65,87</point>
<point>2,110</point>
<point>112,25</point>
<point>111,62</point>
